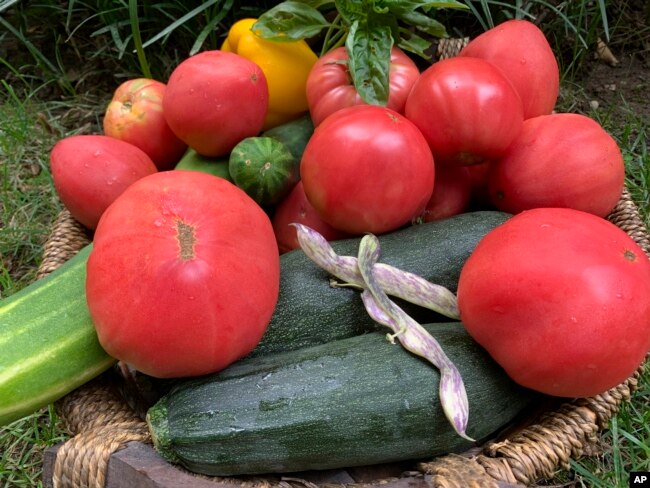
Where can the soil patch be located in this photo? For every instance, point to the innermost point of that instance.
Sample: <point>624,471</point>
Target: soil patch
<point>622,90</point>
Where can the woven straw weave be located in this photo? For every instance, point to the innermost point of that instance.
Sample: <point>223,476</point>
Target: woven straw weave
<point>101,422</point>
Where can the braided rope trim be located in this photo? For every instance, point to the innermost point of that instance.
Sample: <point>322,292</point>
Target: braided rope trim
<point>83,460</point>
<point>102,422</point>
<point>450,47</point>
<point>66,239</point>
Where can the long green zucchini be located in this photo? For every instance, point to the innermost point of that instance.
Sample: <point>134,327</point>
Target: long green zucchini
<point>351,402</point>
<point>48,345</point>
<point>310,311</point>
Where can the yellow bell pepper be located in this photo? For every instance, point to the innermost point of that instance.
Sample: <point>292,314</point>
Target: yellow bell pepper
<point>286,66</point>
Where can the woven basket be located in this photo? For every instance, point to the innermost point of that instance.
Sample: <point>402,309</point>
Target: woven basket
<point>101,421</point>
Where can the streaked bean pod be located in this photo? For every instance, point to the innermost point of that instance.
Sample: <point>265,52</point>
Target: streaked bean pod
<point>413,337</point>
<point>393,281</point>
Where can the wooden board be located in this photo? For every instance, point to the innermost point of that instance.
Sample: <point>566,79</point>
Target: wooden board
<point>139,466</point>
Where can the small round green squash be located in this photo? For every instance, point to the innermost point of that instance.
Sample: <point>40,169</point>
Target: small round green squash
<point>264,168</point>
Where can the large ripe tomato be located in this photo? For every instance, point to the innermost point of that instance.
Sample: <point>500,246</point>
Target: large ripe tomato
<point>520,50</point>
<point>90,171</point>
<point>215,99</point>
<point>561,300</point>
<point>467,110</point>
<point>330,88</point>
<point>367,169</point>
<point>183,276</point>
<point>559,160</point>
<point>135,115</point>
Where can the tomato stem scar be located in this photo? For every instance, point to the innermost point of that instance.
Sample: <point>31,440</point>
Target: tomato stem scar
<point>186,239</point>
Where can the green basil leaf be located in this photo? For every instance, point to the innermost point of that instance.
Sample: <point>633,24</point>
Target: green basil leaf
<point>317,3</point>
<point>424,23</point>
<point>289,21</point>
<point>413,43</point>
<point>380,8</point>
<point>353,10</point>
<point>449,4</point>
<point>400,6</point>
<point>368,48</point>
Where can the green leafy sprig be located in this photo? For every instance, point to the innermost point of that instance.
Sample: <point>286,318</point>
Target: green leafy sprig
<point>368,29</point>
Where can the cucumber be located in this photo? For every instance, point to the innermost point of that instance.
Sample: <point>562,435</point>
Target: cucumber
<point>193,161</point>
<point>294,134</point>
<point>264,168</point>
<point>351,402</point>
<point>310,311</point>
<point>48,345</point>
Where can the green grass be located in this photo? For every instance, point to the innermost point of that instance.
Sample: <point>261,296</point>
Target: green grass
<point>624,447</point>
<point>29,127</point>
<point>28,206</point>
<point>23,443</point>
<point>28,202</point>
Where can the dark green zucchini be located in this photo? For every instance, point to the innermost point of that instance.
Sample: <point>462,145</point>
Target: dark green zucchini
<point>351,402</point>
<point>310,311</point>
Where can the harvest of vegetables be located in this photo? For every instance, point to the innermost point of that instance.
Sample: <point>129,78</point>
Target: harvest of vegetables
<point>340,259</point>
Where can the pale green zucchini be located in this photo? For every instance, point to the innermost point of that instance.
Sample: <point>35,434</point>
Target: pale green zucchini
<point>48,345</point>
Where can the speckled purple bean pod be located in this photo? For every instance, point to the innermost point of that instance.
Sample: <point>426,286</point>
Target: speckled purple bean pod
<point>393,281</point>
<point>413,337</point>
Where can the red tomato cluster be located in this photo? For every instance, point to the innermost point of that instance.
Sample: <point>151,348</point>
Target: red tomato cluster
<point>181,251</point>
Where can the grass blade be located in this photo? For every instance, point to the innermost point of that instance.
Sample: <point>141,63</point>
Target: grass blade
<point>211,25</point>
<point>566,20</point>
<point>192,13</point>
<point>603,15</point>
<point>137,39</point>
<point>478,16</point>
<point>4,5</point>
<point>488,13</point>
<point>36,54</point>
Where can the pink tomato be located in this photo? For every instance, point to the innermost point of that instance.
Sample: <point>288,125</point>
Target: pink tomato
<point>295,208</point>
<point>467,110</point>
<point>330,88</point>
<point>183,276</point>
<point>521,51</point>
<point>561,300</point>
<point>90,171</point>
<point>135,115</point>
<point>559,160</point>
<point>367,169</point>
<point>215,99</point>
<point>451,193</point>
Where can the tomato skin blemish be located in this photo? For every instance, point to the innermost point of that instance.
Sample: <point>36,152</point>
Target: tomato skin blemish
<point>629,255</point>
